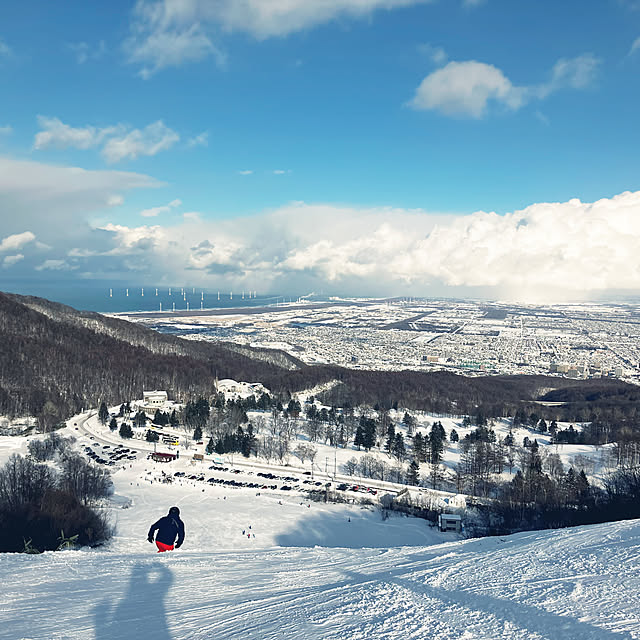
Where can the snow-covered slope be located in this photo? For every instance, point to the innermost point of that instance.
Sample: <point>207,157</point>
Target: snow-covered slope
<point>309,571</point>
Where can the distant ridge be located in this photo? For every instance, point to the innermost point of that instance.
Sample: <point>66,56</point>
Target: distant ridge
<point>55,360</point>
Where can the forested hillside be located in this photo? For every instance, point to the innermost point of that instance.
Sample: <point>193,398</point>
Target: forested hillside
<point>55,360</point>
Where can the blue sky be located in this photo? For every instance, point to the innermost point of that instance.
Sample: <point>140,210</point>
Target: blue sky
<point>341,144</point>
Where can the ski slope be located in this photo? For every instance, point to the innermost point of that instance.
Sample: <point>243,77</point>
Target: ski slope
<point>314,571</point>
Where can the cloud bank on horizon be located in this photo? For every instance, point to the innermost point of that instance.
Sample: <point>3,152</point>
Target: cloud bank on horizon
<point>545,251</point>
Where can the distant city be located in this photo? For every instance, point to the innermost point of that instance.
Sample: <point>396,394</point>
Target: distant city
<point>471,337</point>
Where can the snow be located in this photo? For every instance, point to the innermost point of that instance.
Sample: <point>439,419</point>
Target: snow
<point>315,571</point>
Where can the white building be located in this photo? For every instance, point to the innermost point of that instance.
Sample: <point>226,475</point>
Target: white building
<point>152,401</point>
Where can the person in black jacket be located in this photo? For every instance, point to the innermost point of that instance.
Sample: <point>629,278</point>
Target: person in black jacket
<point>168,527</point>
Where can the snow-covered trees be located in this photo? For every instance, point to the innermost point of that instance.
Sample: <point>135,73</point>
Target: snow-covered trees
<point>37,503</point>
<point>103,413</point>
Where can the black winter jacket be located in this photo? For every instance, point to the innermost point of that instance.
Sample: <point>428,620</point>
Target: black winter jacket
<point>168,528</point>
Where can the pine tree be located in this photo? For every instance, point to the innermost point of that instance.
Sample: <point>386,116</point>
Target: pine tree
<point>197,433</point>
<point>152,436</point>
<point>113,425</point>
<point>391,435</point>
<point>103,413</point>
<point>359,437</point>
<point>125,430</point>
<point>210,447</point>
<point>413,473</point>
<point>398,448</point>
<point>453,436</point>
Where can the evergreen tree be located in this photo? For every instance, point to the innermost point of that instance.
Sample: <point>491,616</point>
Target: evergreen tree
<point>173,420</point>
<point>113,425</point>
<point>453,436</point>
<point>141,419</point>
<point>359,437</point>
<point>398,448</point>
<point>419,452</point>
<point>122,410</point>
<point>197,433</point>
<point>125,430</point>
<point>413,473</point>
<point>436,440</point>
<point>103,413</point>
<point>151,436</point>
<point>210,447</point>
<point>391,435</point>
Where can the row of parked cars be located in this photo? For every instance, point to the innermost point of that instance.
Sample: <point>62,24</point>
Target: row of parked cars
<point>357,488</point>
<point>110,456</point>
<point>249,485</point>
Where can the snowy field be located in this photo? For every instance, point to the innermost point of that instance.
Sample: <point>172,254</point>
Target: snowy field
<point>312,571</point>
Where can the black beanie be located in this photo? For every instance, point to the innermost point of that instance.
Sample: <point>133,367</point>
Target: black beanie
<point>174,511</point>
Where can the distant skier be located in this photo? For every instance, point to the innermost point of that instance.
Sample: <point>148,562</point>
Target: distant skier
<point>168,527</point>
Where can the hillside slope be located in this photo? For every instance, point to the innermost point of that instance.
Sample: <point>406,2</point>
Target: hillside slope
<point>268,566</point>
<point>55,360</point>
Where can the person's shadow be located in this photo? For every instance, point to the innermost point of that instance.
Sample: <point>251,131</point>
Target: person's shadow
<point>142,611</point>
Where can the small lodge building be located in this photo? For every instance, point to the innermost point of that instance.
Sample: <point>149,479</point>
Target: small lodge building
<point>157,456</point>
<point>152,401</point>
<point>450,522</point>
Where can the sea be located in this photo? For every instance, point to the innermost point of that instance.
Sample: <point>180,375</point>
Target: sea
<point>105,297</point>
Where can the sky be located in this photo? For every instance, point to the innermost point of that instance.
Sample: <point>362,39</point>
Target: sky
<point>355,147</point>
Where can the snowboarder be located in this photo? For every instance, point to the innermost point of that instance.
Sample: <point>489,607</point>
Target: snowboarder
<point>168,527</point>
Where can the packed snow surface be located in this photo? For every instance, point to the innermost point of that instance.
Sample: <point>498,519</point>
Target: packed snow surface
<point>266,565</point>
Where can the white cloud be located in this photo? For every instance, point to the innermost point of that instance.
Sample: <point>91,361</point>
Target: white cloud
<point>149,141</point>
<point>635,46</point>
<point>201,140</point>
<point>467,89</point>
<point>571,73</point>
<point>119,142</point>
<point>170,33</point>
<point>54,265</point>
<point>155,211</point>
<point>56,202</point>
<point>545,250</point>
<point>5,131</point>
<point>58,135</point>
<point>245,172</point>
<point>437,55</point>
<point>9,261</point>
<point>16,241</point>
<point>280,172</point>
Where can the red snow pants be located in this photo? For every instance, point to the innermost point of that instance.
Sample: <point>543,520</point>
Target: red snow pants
<point>163,547</point>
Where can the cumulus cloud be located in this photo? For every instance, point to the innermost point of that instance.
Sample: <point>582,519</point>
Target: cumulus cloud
<point>544,251</point>
<point>149,141</point>
<point>156,211</point>
<point>58,135</point>
<point>119,141</point>
<point>166,33</point>
<point>467,89</point>
<point>437,55</point>
<point>9,261</point>
<point>56,202</point>
<point>201,140</point>
<point>16,241</point>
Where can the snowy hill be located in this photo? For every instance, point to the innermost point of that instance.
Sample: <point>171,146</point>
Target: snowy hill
<point>315,571</point>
